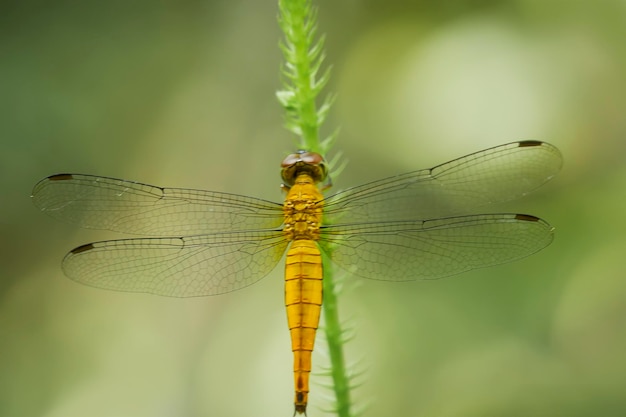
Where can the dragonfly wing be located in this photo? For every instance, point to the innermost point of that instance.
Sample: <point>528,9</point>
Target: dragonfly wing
<point>410,250</point>
<point>131,207</point>
<point>457,187</point>
<point>177,267</point>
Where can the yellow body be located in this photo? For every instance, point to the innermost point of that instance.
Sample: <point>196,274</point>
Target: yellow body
<point>303,278</point>
<point>204,243</point>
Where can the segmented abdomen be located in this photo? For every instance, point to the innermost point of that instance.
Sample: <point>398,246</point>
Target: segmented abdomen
<point>303,299</point>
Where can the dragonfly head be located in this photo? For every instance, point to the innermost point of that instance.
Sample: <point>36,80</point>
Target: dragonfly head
<point>303,162</point>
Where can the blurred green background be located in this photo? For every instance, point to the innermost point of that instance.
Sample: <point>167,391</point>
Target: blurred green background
<point>182,94</point>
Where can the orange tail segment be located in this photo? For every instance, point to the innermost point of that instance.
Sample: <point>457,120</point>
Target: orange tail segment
<point>303,299</point>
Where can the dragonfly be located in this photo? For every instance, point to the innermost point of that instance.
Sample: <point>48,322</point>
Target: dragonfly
<point>424,224</point>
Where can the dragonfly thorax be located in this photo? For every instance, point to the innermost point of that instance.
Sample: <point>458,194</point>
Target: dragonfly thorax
<point>303,209</point>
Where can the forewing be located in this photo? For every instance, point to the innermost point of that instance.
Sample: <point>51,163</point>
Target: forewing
<point>177,267</point>
<point>457,187</point>
<point>410,250</point>
<point>135,208</point>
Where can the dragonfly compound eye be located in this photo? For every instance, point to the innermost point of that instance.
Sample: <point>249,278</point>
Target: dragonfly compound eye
<point>303,162</point>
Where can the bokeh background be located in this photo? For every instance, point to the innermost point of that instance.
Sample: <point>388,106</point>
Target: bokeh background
<point>182,94</point>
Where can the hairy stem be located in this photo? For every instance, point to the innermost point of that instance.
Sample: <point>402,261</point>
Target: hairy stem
<point>302,85</point>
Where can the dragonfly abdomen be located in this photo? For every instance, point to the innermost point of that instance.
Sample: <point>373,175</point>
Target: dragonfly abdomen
<point>303,299</point>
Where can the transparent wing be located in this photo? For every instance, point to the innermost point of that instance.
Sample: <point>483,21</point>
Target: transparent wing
<point>410,250</point>
<point>177,267</point>
<point>457,187</point>
<point>131,207</point>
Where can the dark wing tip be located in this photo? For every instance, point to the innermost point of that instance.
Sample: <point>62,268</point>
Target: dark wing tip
<point>60,177</point>
<point>43,183</point>
<point>529,143</point>
<point>82,248</point>
<point>533,219</point>
<point>527,218</point>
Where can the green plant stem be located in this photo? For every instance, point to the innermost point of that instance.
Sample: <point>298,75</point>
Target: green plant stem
<point>303,84</point>
<point>335,339</point>
<point>303,59</point>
